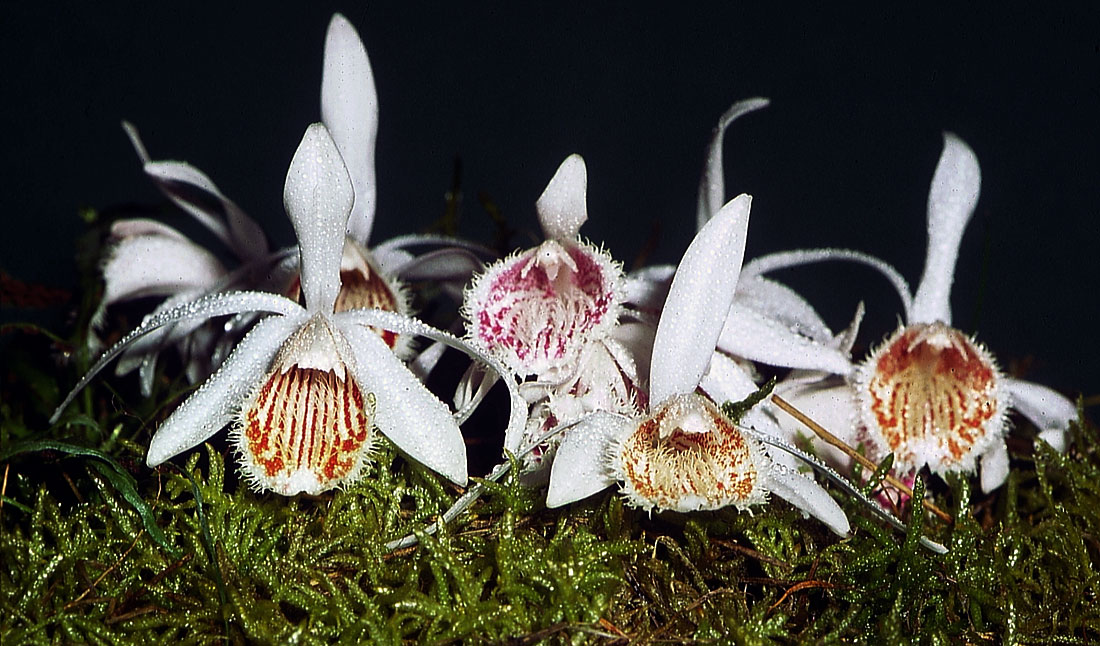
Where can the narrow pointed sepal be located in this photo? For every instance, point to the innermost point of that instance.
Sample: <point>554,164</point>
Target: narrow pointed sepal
<point>580,468</point>
<point>318,196</point>
<point>951,201</point>
<point>180,182</point>
<point>197,310</point>
<point>698,301</point>
<point>712,186</point>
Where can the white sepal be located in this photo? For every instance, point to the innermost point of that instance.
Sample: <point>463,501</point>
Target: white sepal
<point>951,201</point>
<point>215,403</point>
<point>580,466</point>
<point>712,187</point>
<point>563,206</point>
<point>698,302</point>
<point>318,196</point>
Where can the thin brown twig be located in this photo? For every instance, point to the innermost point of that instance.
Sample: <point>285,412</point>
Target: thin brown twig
<point>802,585</point>
<point>99,578</point>
<point>4,489</point>
<point>858,457</point>
<point>748,551</point>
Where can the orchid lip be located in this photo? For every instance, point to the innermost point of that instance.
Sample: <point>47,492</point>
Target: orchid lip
<point>688,456</point>
<point>931,395</point>
<point>536,311</point>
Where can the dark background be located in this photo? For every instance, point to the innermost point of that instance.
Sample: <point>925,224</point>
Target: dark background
<point>843,157</point>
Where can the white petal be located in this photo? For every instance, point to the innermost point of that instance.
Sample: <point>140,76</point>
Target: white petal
<point>1048,410</point>
<point>414,419</point>
<point>832,404</point>
<point>218,400</point>
<point>647,289</point>
<point>349,109</point>
<point>563,207</point>
<point>318,196</point>
<point>517,416</point>
<point>804,493</point>
<point>238,231</point>
<point>441,265</point>
<point>697,302</point>
<point>158,261</point>
<point>712,187</point>
<point>994,467</point>
<point>783,304</point>
<point>951,201</point>
<point>725,380</point>
<point>749,334</point>
<point>199,309</point>
<point>784,259</point>
<point>580,466</point>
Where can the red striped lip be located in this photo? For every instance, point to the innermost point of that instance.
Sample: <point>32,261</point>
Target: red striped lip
<point>931,396</point>
<point>308,427</point>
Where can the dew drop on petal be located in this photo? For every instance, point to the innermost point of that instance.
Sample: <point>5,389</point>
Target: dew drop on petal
<point>931,395</point>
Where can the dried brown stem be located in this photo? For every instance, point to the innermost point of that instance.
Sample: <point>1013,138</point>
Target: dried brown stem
<point>858,457</point>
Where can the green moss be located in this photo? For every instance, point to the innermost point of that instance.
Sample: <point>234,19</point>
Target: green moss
<point>238,567</point>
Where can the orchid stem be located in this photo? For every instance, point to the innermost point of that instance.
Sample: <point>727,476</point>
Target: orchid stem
<point>858,457</point>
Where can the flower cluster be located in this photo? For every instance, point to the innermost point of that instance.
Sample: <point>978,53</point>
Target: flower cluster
<point>613,378</point>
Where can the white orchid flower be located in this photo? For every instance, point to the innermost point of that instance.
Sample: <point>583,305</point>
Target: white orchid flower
<point>305,388</point>
<point>931,394</point>
<point>538,309</point>
<point>685,455</point>
<point>152,259</point>
<point>550,313</point>
<point>766,321</point>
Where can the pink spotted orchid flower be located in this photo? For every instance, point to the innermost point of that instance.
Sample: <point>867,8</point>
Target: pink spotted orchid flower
<point>151,259</point>
<point>538,309</point>
<point>307,386</point>
<point>550,313</point>
<point>929,394</point>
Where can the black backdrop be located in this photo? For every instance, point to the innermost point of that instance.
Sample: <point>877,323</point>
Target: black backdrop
<point>842,158</point>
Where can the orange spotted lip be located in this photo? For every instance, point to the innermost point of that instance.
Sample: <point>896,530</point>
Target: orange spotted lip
<point>688,456</point>
<point>931,395</point>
